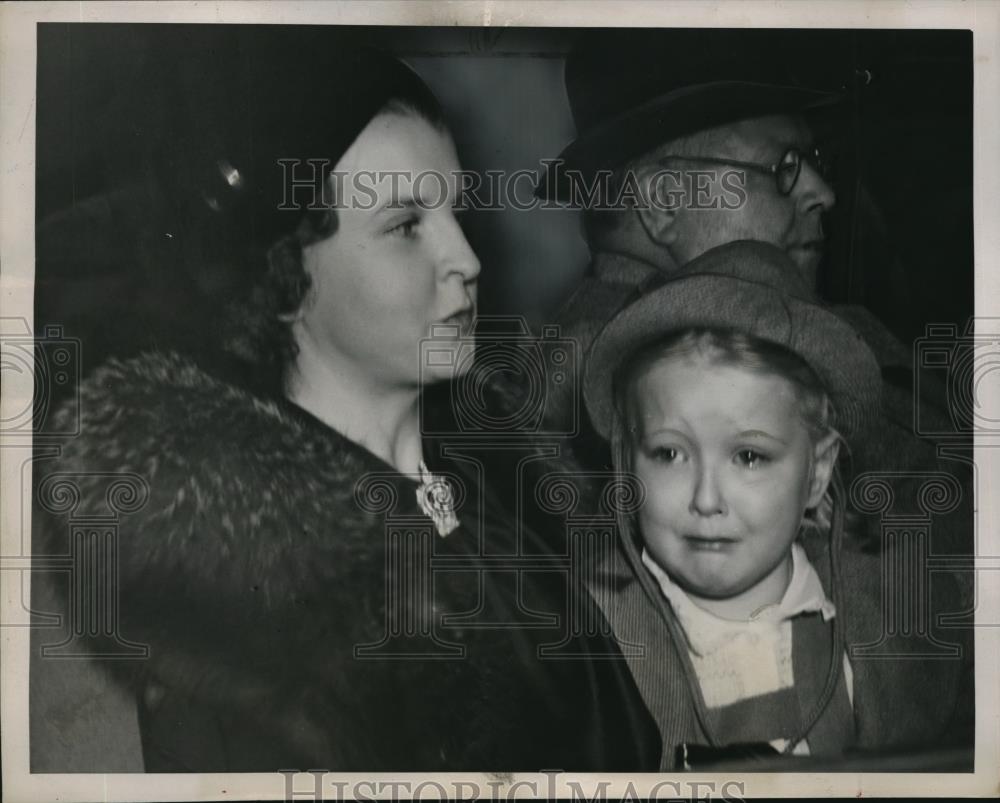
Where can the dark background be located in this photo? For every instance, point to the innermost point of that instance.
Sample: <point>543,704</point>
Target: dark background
<point>111,272</point>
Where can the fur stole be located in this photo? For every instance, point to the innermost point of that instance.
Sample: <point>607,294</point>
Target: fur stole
<point>250,568</point>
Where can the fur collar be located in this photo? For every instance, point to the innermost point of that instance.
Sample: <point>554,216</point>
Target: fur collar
<point>250,569</point>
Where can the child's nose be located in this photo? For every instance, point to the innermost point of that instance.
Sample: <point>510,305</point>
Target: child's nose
<point>707,499</point>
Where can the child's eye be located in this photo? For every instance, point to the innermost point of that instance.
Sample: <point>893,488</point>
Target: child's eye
<point>750,458</point>
<point>406,228</point>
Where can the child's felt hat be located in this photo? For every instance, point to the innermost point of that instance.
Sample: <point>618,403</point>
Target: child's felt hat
<point>749,287</point>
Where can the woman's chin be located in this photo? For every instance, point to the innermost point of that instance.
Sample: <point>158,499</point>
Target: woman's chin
<point>443,359</point>
<point>436,374</point>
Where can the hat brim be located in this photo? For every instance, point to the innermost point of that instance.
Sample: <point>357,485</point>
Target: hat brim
<point>837,353</point>
<point>673,114</point>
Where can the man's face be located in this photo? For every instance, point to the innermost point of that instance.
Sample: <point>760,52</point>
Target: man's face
<point>792,222</point>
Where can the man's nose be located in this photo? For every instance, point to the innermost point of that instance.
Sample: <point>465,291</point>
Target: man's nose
<point>812,190</point>
<point>707,499</point>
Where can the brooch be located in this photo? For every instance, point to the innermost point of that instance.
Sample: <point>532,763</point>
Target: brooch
<point>437,501</point>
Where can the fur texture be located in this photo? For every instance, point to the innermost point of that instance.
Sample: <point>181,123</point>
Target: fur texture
<point>252,572</point>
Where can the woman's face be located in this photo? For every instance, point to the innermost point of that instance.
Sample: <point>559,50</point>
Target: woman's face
<point>729,468</point>
<point>398,263</point>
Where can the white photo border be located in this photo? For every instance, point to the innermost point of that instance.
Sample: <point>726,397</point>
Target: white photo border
<point>17,194</point>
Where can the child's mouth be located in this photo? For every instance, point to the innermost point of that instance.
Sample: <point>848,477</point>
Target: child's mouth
<point>709,543</point>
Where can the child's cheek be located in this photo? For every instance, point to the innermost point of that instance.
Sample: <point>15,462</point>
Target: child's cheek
<point>659,521</point>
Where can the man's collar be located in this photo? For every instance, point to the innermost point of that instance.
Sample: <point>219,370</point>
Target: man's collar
<point>626,258</point>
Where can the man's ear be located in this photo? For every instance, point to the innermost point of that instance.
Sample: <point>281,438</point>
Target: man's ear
<point>824,459</point>
<point>658,205</point>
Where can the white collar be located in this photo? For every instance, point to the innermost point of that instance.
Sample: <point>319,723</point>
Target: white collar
<point>706,632</point>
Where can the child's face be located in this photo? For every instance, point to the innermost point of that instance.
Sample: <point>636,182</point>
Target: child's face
<point>729,469</point>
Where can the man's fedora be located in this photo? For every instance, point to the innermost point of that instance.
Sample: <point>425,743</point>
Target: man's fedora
<point>630,90</point>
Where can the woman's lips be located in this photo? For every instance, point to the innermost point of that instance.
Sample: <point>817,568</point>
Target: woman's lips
<point>462,319</point>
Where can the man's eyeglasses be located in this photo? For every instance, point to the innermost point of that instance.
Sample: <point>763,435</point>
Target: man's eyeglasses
<point>786,170</point>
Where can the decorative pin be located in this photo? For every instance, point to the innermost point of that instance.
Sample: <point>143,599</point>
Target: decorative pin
<point>437,501</point>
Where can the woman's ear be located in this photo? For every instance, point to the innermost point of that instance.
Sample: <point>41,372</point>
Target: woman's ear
<point>299,313</point>
<point>656,213</point>
<point>824,459</point>
<point>306,282</point>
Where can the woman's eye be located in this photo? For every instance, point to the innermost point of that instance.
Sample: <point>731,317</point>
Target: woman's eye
<point>750,458</point>
<point>665,454</point>
<point>405,229</point>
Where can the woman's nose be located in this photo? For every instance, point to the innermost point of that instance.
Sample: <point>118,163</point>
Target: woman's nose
<point>457,255</point>
<point>707,499</point>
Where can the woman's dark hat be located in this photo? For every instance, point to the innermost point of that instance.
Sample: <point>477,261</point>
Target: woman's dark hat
<point>253,109</point>
<point>749,287</point>
<point>630,91</point>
